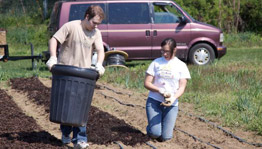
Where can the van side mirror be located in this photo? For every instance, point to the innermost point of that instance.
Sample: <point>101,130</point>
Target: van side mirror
<point>182,20</point>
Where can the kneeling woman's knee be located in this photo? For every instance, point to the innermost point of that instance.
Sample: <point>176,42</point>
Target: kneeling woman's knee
<point>153,133</point>
<point>167,136</point>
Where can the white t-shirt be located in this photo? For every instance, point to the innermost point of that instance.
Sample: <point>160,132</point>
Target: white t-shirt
<point>167,75</point>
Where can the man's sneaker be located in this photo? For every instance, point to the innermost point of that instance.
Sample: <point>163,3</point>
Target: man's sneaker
<point>66,140</point>
<point>81,145</point>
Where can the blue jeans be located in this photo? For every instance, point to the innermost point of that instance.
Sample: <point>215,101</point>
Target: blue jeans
<point>161,120</point>
<point>79,133</point>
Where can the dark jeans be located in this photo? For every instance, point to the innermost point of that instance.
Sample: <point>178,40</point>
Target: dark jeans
<point>79,133</point>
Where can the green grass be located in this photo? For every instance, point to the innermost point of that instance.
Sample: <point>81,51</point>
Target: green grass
<point>21,31</point>
<point>245,39</point>
<point>231,88</point>
<point>129,78</point>
<point>22,68</point>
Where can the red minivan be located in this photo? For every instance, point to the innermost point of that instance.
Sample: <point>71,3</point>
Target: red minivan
<point>139,26</point>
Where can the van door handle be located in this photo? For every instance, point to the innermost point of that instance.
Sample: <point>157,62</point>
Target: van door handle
<point>147,32</point>
<point>155,33</point>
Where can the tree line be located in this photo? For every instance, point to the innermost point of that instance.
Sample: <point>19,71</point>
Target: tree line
<point>232,16</point>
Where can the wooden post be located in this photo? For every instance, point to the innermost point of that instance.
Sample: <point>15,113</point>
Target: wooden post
<point>2,42</point>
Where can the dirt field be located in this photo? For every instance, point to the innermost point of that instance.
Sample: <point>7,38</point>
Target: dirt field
<point>117,119</point>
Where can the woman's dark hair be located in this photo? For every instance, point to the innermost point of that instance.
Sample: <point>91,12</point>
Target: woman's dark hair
<point>171,43</point>
<point>94,10</point>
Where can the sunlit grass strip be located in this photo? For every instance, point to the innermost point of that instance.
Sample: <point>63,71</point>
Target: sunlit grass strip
<point>22,68</point>
<point>133,77</point>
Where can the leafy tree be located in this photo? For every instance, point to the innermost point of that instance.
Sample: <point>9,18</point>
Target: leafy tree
<point>232,16</point>
<point>252,15</point>
<point>229,15</point>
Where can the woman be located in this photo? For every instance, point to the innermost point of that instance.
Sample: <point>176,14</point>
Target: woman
<point>166,79</point>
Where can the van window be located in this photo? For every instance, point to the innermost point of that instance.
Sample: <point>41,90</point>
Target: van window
<point>77,11</point>
<point>166,14</point>
<point>129,13</point>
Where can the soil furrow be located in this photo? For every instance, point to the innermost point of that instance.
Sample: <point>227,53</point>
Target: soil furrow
<point>18,130</point>
<point>110,121</point>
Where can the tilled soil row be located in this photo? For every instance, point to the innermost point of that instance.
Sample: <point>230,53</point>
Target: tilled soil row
<point>112,121</point>
<point>20,131</point>
<point>102,128</point>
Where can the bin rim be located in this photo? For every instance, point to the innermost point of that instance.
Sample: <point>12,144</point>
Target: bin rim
<point>68,70</point>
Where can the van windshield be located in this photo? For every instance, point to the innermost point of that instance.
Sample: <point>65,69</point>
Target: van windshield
<point>168,13</point>
<point>185,12</point>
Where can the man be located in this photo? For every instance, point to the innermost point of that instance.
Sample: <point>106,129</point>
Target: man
<point>77,39</point>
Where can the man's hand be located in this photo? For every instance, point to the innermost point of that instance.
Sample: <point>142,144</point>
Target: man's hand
<point>52,61</point>
<point>168,102</point>
<point>164,93</point>
<point>101,70</point>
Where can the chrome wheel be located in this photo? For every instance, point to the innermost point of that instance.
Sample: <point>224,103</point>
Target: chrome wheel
<point>201,54</point>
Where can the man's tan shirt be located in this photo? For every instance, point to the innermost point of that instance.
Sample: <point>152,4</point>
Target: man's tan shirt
<point>77,44</point>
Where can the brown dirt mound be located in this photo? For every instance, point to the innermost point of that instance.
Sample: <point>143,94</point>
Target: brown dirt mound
<point>35,89</point>
<point>20,131</point>
<point>102,127</point>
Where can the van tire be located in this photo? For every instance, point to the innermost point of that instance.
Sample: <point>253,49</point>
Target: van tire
<point>201,54</point>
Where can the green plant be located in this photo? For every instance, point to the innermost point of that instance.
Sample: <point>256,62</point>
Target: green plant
<point>129,77</point>
<point>243,39</point>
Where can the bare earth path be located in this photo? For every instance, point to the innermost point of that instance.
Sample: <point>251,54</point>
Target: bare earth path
<point>118,116</point>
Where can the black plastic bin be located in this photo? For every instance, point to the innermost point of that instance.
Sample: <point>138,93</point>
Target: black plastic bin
<point>71,94</point>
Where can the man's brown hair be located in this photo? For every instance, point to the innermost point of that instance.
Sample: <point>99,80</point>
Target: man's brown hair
<point>94,10</point>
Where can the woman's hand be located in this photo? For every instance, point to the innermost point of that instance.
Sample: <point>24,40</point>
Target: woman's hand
<point>168,101</point>
<point>165,93</point>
